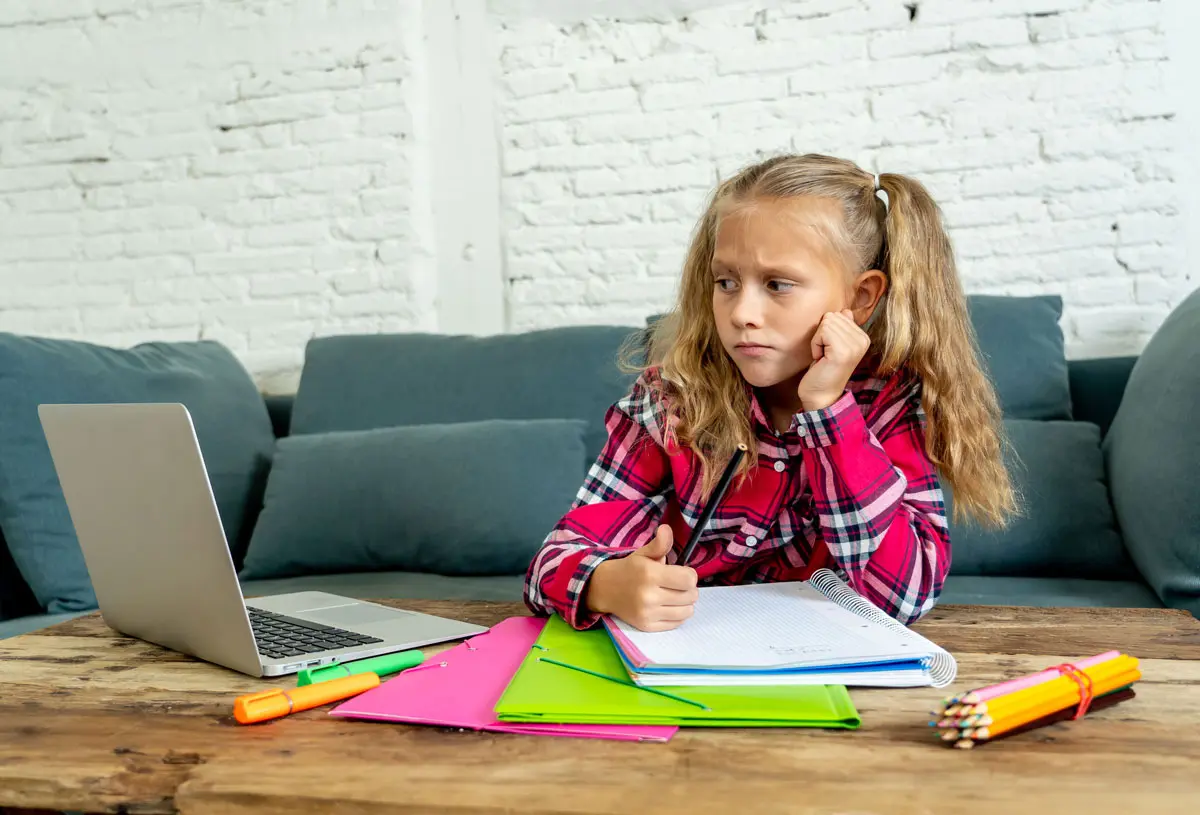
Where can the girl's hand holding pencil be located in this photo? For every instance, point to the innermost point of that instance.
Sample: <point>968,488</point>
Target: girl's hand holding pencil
<point>642,589</point>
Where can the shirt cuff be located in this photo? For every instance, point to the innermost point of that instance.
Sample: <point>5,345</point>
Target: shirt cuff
<point>579,616</point>
<point>829,425</point>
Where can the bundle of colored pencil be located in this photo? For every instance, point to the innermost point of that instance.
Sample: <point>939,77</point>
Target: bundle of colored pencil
<point>1030,702</point>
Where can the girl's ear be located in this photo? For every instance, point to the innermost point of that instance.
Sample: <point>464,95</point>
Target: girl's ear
<point>867,291</point>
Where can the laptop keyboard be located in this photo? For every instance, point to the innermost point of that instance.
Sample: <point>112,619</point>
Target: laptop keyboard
<point>279,636</point>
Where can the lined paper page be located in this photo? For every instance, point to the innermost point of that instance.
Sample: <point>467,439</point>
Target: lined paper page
<point>769,625</point>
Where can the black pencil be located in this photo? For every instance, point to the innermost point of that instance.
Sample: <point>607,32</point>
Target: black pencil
<point>717,494</point>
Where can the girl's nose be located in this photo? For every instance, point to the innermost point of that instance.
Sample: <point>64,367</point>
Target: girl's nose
<point>747,310</point>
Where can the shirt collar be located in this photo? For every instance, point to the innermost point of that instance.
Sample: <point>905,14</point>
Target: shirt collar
<point>762,423</point>
<point>758,416</point>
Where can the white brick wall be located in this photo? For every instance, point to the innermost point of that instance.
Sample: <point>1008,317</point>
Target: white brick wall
<point>263,171</point>
<point>1044,128</point>
<point>244,171</point>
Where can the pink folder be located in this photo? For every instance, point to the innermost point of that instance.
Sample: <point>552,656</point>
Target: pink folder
<point>460,688</point>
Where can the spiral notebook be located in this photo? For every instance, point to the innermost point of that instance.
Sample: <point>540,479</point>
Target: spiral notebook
<point>817,632</point>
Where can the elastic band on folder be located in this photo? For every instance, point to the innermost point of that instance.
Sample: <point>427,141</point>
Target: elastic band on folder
<point>426,667</point>
<point>620,682</point>
<point>1085,687</point>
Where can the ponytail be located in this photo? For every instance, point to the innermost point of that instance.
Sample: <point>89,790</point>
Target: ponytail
<point>925,328</point>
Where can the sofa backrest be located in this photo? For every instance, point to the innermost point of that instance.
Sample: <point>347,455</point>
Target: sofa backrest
<point>362,382</point>
<point>1097,386</point>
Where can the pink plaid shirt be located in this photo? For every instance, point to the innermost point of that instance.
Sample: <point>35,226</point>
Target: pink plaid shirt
<point>849,487</point>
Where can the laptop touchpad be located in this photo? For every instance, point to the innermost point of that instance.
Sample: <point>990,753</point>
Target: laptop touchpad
<point>353,616</point>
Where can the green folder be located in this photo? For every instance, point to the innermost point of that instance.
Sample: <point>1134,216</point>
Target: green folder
<point>596,689</point>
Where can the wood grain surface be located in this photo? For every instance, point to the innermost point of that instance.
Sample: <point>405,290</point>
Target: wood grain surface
<point>95,722</point>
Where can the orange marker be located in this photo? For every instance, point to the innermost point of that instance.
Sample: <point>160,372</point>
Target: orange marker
<point>271,704</point>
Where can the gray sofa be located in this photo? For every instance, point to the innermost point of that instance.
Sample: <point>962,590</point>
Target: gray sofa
<point>352,499</point>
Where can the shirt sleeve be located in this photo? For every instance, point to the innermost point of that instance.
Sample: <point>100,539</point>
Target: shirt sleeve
<point>879,503</point>
<point>617,509</point>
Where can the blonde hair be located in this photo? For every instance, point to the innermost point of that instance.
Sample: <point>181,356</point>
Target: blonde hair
<point>921,325</point>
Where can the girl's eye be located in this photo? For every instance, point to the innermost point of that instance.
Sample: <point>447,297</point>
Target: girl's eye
<point>725,284</point>
<point>780,286</point>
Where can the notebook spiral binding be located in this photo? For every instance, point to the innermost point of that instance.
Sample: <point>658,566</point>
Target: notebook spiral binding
<point>942,667</point>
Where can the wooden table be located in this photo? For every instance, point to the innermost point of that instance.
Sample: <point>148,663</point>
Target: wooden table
<point>95,722</point>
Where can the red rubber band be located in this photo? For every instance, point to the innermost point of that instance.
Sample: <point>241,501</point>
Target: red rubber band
<point>1085,687</point>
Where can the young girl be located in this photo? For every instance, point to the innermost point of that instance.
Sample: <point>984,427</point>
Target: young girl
<point>827,331</point>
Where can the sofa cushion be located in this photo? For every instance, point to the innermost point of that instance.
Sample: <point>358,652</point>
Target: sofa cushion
<point>1067,527</point>
<point>227,410</point>
<point>473,498</point>
<point>1023,349</point>
<point>1153,456</point>
<point>1047,591</point>
<point>361,382</point>
<point>508,588</point>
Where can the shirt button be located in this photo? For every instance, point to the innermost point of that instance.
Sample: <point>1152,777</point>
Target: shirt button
<point>751,540</point>
<point>780,466</point>
<point>801,432</point>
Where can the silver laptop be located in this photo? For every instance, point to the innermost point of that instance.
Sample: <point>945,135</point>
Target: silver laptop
<point>143,509</point>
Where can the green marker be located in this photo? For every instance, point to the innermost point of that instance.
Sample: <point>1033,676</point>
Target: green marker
<point>386,664</point>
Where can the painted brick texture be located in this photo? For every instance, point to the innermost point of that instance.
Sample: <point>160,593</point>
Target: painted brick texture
<point>1043,127</point>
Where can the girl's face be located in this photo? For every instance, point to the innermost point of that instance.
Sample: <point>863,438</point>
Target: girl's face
<point>775,275</point>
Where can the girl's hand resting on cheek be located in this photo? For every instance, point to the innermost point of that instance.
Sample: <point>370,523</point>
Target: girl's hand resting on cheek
<point>837,348</point>
<point>642,589</point>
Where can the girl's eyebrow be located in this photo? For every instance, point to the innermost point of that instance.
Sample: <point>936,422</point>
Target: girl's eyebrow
<point>774,270</point>
<point>784,271</point>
